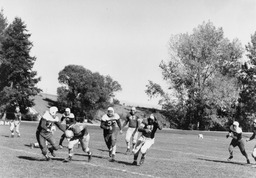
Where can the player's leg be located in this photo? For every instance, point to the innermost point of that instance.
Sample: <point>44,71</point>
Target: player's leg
<point>71,145</point>
<point>113,146</point>
<point>41,141</point>
<point>85,146</point>
<point>253,152</point>
<point>137,148</point>
<point>242,149</point>
<point>134,139</point>
<point>128,138</point>
<point>232,144</point>
<point>12,126</point>
<point>54,146</point>
<point>61,140</point>
<point>17,127</point>
<point>148,143</point>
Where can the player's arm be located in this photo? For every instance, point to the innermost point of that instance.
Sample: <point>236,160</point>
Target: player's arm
<point>229,134</point>
<point>119,124</point>
<point>252,137</point>
<point>103,125</point>
<point>43,125</point>
<point>239,136</point>
<point>159,124</point>
<point>60,126</point>
<point>125,121</point>
<point>137,126</point>
<point>141,127</point>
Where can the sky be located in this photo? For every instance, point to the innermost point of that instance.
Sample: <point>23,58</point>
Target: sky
<point>125,39</point>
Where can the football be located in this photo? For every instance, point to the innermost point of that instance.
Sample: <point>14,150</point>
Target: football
<point>201,136</point>
<point>69,134</point>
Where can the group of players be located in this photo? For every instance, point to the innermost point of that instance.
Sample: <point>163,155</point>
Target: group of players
<point>77,132</point>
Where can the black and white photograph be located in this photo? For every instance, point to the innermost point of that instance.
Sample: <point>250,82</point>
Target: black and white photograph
<point>128,88</point>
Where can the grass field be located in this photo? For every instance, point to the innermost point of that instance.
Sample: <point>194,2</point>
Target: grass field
<point>175,153</point>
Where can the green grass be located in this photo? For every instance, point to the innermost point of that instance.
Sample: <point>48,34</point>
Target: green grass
<point>176,153</point>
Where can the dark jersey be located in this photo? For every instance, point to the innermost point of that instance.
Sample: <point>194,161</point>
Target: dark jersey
<point>237,133</point>
<point>17,116</point>
<point>149,130</point>
<point>132,120</point>
<point>47,122</point>
<point>70,119</point>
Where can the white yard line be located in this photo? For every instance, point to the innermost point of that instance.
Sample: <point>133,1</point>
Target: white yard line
<point>86,163</point>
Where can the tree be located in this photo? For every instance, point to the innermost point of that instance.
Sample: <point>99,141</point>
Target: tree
<point>247,79</point>
<point>85,91</point>
<point>201,72</point>
<point>3,25</point>
<point>18,80</point>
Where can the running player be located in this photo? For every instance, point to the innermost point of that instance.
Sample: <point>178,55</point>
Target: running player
<point>253,136</point>
<point>235,132</point>
<point>108,124</point>
<point>69,119</point>
<point>132,131</point>
<point>76,133</point>
<point>147,139</point>
<point>15,122</point>
<point>44,133</point>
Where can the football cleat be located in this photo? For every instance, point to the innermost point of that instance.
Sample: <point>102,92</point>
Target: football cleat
<point>68,159</point>
<point>32,145</point>
<point>128,151</point>
<point>47,158</point>
<point>134,163</point>
<point>230,157</point>
<point>112,158</point>
<point>248,161</point>
<point>52,152</point>
<point>142,160</point>
<point>89,156</point>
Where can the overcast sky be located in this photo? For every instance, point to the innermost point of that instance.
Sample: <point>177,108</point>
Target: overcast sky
<point>126,39</point>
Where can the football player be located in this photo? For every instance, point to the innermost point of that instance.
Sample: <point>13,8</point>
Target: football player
<point>252,137</point>
<point>132,131</point>
<point>15,122</point>
<point>69,119</point>
<point>76,133</point>
<point>108,124</point>
<point>148,129</point>
<point>235,132</point>
<point>44,132</point>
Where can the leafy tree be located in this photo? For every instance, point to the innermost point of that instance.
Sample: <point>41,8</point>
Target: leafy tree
<point>247,78</point>
<point>3,25</point>
<point>85,91</point>
<point>201,73</point>
<point>18,80</point>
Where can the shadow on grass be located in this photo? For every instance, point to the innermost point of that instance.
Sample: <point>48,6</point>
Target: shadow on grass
<point>221,161</point>
<point>107,158</point>
<point>7,136</point>
<point>108,151</point>
<point>27,145</point>
<point>29,158</point>
<point>93,156</point>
